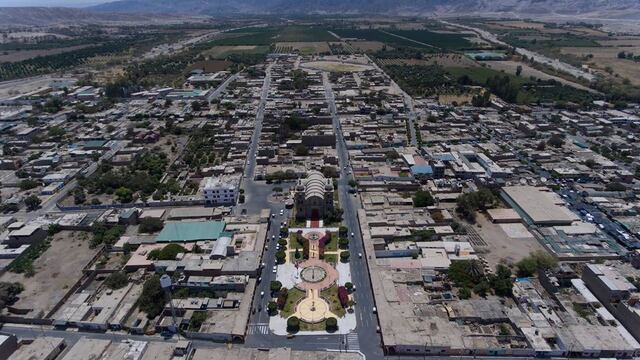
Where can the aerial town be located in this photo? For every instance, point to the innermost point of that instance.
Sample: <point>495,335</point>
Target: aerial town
<point>319,189</point>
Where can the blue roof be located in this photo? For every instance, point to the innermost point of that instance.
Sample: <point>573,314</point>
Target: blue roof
<point>421,169</point>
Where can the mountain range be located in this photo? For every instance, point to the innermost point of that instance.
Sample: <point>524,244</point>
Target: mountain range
<point>163,11</point>
<point>629,9</point>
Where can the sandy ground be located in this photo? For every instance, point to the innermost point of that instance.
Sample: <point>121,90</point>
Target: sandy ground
<point>12,56</point>
<point>501,247</point>
<point>527,71</point>
<point>21,86</point>
<point>608,56</point>
<point>334,66</point>
<point>56,271</point>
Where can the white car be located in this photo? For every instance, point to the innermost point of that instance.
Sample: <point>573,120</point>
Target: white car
<point>352,235</point>
<point>360,255</point>
<point>261,293</point>
<point>275,269</point>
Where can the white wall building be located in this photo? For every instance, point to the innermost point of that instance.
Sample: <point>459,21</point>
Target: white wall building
<point>219,191</point>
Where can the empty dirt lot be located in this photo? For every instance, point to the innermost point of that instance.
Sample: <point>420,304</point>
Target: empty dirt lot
<point>57,269</point>
<point>500,247</point>
<point>510,67</point>
<point>608,56</point>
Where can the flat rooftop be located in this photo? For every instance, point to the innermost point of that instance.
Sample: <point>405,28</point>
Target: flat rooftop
<point>539,205</point>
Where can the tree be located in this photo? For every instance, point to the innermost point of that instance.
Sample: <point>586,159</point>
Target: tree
<point>331,324</point>
<point>464,293</point>
<point>622,55</point>
<point>281,257</point>
<point>152,298</point>
<point>615,186</point>
<point>343,243</point>
<point>9,293</point>
<point>344,256</point>
<point>302,150</point>
<point>343,230</point>
<point>275,286</point>
<point>32,202</point>
<point>541,146</point>
<point>150,225</point>
<point>28,184</point>
<point>556,141</point>
<point>423,199</point>
<point>125,195</point>
<point>78,196</point>
<point>169,252</point>
<point>117,280</point>
<point>537,260</point>
<point>501,282</point>
<point>518,70</point>
<point>293,324</point>
<point>469,203</point>
<point>272,308</point>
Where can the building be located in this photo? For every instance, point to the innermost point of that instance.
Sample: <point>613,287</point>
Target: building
<point>217,191</point>
<point>42,348</point>
<point>538,206</point>
<point>313,196</point>
<point>190,231</point>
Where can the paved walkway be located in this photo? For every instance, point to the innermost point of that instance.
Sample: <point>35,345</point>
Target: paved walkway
<point>330,278</point>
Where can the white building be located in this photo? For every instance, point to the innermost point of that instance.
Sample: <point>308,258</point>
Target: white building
<point>219,191</point>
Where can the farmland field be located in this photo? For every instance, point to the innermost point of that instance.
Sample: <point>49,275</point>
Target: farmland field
<point>304,48</point>
<point>607,57</point>
<point>269,35</point>
<point>447,41</point>
<point>222,52</point>
<point>366,46</point>
<point>13,55</point>
<point>377,36</point>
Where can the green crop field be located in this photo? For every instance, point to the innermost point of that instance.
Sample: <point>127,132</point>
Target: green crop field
<point>439,40</point>
<point>270,35</point>
<point>377,35</point>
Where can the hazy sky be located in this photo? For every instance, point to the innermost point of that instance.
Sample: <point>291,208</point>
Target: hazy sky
<point>78,3</point>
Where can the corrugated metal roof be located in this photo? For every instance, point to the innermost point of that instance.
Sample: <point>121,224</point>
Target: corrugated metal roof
<point>191,231</point>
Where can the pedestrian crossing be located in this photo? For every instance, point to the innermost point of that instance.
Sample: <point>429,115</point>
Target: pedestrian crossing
<point>260,328</point>
<point>352,342</point>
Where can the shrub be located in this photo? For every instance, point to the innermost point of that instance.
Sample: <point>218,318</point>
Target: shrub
<point>293,324</point>
<point>331,324</point>
<point>150,225</point>
<point>117,280</point>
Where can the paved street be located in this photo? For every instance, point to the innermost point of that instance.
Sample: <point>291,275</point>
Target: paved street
<point>369,339</point>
